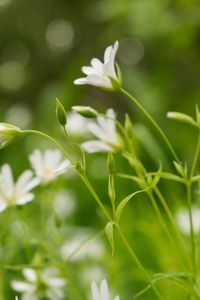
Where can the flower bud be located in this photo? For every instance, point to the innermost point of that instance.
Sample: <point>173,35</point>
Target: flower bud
<point>85,111</point>
<point>181,117</point>
<point>128,125</point>
<point>111,164</point>
<point>7,133</point>
<point>61,113</point>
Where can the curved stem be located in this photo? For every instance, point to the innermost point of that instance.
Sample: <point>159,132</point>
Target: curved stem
<point>155,124</point>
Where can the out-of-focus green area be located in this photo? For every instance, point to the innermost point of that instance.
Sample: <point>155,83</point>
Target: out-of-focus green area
<point>43,45</point>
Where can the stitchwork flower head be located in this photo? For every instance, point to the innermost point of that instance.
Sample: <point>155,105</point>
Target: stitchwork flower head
<point>40,284</point>
<point>48,164</point>
<point>15,193</point>
<point>101,293</point>
<point>102,74</point>
<point>107,137</point>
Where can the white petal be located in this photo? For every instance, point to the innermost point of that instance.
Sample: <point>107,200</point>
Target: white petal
<point>24,199</point>
<point>117,298</point>
<point>3,205</point>
<point>20,286</point>
<point>104,290</point>
<point>107,54</point>
<point>88,70</point>
<point>95,291</point>
<point>97,65</point>
<point>96,146</point>
<point>30,274</point>
<point>81,81</point>
<point>36,160</point>
<point>97,131</point>
<point>6,180</point>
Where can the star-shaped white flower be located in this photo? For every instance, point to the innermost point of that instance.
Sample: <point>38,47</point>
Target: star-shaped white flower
<point>40,284</point>
<point>99,73</point>
<point>183,221</point>
<point>101,293</point>
<point>15,193</point>
<point>48,164</point>
<point>105,130</point>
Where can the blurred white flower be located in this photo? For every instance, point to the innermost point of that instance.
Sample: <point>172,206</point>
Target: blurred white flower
<point>101,293</point>
<point>183,221</point>
<point>40,284</point>
<point>15,193</point>
<point>76,124</point>
<point>105,130</point>
<point>65,203</point>
<point>99,74</point>
<point>48,165</point>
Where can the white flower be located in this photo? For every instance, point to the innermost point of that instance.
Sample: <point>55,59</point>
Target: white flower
<point>40,284</point>
<point>48,164</point>
<point>99,74</point>
<point>15,193</point>
<point>101,293</point>
<point>183,221</point>
<point>105,130</point>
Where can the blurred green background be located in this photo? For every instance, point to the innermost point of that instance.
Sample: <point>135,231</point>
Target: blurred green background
<point>43,45</point>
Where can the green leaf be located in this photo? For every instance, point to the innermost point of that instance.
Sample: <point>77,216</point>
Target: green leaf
<point>124,202</point>
<point>110,235</point>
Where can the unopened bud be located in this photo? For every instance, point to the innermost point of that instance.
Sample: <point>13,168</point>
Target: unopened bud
<point>111,164</point>
<point>181,117</point>
<point>7,133</point>
<point>61,113</point>
<point>85,111</point>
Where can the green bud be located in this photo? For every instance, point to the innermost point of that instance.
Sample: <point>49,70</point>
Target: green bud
<point>197,115</point>
<point>182,170</point>
<point>85,111</point>
<point>111,164</point>
<point>128,125</point>
<point>181,117</point>
<point>7,133</point>
<point>61,113</point>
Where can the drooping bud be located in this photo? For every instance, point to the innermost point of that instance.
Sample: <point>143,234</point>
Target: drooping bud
<point>7,133</point>
<point>85,111</point>
<point>61,113</point>
<point>180,168</point>
<point>111,164</point>
<point>180,117</point>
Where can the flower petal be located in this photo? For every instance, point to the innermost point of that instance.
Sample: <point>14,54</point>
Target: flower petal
<point>96,146</point>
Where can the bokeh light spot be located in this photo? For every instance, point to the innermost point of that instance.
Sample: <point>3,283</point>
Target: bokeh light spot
<point>60,35</point>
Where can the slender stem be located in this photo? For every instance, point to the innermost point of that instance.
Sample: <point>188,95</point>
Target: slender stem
<point>196,156</point>
<point>192,235</point>
<point>94,194</point>
<point>137,103</point>
<point>170,216</point>
<point>138,263</point>
<point>70,145</point>
<point>163,223</point>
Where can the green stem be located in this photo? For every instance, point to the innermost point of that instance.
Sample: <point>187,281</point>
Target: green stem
<point>171,219</point>
<point>96,197</point>
<point>138,263</point>
<point>163,223</point>
<point>192,235</point>
<point>196,156</point>
<point>155,124</point>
